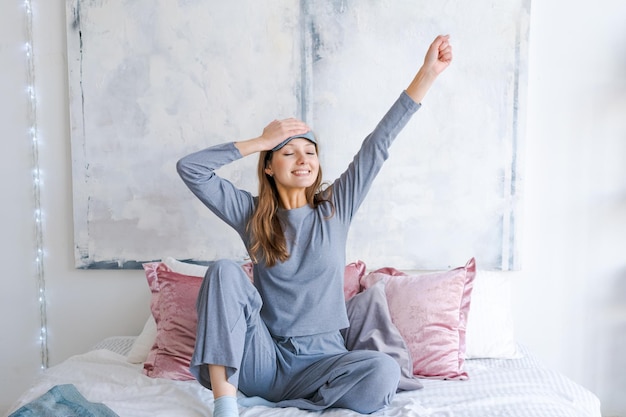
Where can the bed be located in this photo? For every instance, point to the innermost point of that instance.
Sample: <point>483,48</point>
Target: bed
<point>481,371</point>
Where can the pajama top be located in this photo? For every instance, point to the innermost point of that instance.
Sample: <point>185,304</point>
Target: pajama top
<point>303,295</point>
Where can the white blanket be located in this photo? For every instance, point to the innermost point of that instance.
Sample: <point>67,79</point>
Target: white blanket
<point>497,387</point>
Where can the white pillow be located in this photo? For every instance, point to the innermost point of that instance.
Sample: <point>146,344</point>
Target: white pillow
<point>144,342</point>
<point>490,332</point>
<point>185,268</point>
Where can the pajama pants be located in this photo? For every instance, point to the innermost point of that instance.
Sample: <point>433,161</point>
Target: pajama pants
<point>309,372</point>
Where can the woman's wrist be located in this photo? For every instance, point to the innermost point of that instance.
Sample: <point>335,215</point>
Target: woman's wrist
<point>420,85</point>
<point>250,146</point>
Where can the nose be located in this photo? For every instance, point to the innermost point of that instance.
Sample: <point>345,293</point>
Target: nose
<point>302,158</point>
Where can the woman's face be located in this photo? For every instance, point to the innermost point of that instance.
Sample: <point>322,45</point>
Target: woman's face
<point>295,165</point>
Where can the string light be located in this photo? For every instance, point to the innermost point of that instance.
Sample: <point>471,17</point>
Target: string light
<point>37,182</point>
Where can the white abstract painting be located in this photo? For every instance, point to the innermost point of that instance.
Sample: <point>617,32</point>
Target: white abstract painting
<point>153,80</point>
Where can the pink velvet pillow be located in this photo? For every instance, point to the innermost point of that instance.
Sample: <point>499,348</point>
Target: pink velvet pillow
<point>173,306</point>
<point>430,311</point>
<point>352,279</point>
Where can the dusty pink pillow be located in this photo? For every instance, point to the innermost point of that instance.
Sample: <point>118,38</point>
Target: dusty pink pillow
<point>430,311</point>
<point>173,306</point>
<point>352,279</point>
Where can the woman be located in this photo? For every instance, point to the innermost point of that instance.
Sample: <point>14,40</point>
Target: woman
<point>278,340</point>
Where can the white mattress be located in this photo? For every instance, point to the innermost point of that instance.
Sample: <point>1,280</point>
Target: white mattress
<point>496,387</point>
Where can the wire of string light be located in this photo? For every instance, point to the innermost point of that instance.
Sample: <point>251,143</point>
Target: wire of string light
<point>38,217</point>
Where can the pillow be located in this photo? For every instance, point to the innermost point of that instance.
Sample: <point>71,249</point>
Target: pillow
<point>490,331</point>
<point>352,279</point>
<point>143,343</point>
<point>430,310</point>
<point>173,307</point>
<point>371,328</point>
<point>185,268</point>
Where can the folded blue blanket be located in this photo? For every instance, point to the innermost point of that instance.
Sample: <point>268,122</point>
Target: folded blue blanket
<point>63,401</point>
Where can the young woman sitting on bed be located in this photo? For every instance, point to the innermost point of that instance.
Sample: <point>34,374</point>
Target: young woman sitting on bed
<point>278,339</point>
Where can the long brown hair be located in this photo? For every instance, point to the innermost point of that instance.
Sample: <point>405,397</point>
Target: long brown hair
<point>268,239</point>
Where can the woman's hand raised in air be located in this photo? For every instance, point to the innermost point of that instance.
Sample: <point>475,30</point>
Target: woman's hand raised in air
<point>439,55</point>
<point>437,59</point>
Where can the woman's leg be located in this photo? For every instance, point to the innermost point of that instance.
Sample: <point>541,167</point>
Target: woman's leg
<point>228,322</point>
<point>364,381</point>
<point>224,393</point>
<point>219,382</point>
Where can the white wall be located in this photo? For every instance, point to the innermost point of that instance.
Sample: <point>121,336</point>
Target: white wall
<point>83,306</point>
<point>570,305</point>
<point>18,306</point>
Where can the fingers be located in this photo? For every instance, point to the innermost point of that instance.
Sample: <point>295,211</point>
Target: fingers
<point>443,47</point>
<point>445,52</point>
<point>441,41</point>
<point>292,126</point>
<point>279,130</point>
<point>439,55</point>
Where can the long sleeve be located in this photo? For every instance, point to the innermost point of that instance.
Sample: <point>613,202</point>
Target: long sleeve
<point>351,188</point>
<point>229,203</point>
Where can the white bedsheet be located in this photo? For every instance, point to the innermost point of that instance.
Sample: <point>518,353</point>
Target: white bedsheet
<point>513,387</point>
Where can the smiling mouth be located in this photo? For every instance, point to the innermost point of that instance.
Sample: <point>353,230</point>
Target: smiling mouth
<point>301,172</point>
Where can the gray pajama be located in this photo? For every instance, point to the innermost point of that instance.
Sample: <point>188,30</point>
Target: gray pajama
<point>309,372</point>
<point>279,338</point>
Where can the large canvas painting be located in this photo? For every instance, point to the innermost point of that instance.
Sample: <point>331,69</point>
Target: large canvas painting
<point>153,80</point>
